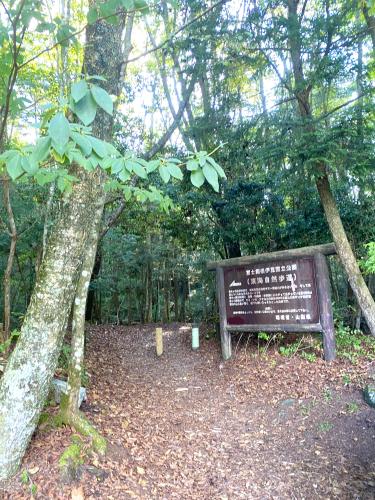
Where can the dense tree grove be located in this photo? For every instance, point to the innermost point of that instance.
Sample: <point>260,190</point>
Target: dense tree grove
<point>158,101</point>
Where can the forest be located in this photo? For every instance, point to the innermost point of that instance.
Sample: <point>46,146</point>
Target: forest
<point>139,141</point>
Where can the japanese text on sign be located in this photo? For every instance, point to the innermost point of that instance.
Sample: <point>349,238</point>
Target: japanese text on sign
<point>272,293</point>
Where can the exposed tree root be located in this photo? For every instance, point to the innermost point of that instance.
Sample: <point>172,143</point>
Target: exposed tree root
<point>72,459</point>
<point>85,428</point>
<point>75,454</point>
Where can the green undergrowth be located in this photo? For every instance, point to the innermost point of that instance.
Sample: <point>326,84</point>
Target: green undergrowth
<point>28,482</point>
<point>352,345</point>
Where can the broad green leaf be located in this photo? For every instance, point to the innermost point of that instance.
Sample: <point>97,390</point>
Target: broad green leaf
<point>85,109</point>
<point>113,20</point>
<point>211,176</point>
<point>58,152</point>
<point>102,99</point>
<point>29,165</point>
<point>197,178</point>
<point>83,142</point>
<point>41,148</point>
<point>152,165</point>
<point>92,15</point>
<point>98,146</point>
<point>62,184</point>
<point>217,167</point>
<point>142,162</point>
<point>94,160</point>
<point>164,173</point>
<point>127,193</point>
<point>77,157</point>
<point>175,171</point>
<point>128,4</point>
<point>117,166</point>
<point>139,170</point>
<point>202,161</point>
<point>192,165</point>
<point>79,90</point>
<point>142,6</point>
<point>129,165</point>
<point>124,175</point>
<point>106,163</point>
<point>43,177</point>
<point>108,10</point>
<point>14,167</point>
<point>59,130</point>
<point>7,155</point>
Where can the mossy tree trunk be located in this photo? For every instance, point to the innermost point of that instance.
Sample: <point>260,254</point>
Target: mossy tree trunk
<point>12,232</point>
<point>103,131</point>
<point>27,378</point>
<point>26,381</point>
<point>78,324</point>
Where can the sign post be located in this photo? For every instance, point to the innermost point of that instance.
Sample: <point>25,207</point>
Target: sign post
<point>285,291</point>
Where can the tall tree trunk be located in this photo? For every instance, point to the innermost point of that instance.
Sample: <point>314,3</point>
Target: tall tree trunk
<point>344,250</point>
<point>166,294</point>
<point>103,130</point>
<point>12,231</point>
<point>70,407</point>
<point>27,378</point>
<point>26,381</point>
<point>176,290</point>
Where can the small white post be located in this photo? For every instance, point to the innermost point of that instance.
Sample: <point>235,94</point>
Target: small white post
<point>195,337</point>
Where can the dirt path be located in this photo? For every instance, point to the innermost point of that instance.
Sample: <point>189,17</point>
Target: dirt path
<point>189,426</point>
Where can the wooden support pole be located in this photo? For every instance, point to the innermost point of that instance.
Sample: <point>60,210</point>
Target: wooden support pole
<point>226,341</point>
<point>159,341</point>
<point>326,318</point>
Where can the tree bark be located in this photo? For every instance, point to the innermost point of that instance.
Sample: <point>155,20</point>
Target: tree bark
<point>27,378</point>
<point>103,130</point>
<point>345,252</point>
<point>78,325</point>
<point>12,231</point>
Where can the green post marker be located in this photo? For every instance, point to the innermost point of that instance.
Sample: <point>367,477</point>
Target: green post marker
<point>195,337</point>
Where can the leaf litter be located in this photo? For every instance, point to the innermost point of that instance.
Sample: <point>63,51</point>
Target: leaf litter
<point>187,425</point>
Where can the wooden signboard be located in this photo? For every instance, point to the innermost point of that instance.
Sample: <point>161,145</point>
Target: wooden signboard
<point>286,291</point>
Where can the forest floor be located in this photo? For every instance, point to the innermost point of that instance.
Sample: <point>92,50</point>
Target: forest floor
<point>187,425</point>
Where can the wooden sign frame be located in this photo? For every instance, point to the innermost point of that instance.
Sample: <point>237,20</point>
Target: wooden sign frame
<point>324,325</point>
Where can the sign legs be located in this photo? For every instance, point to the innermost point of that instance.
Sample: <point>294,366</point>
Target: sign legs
<point>326,318</point>
<point>226,343</point>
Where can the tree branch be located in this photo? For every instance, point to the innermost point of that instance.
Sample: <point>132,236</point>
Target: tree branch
<point>173,35</point>
<point>165,137</point>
